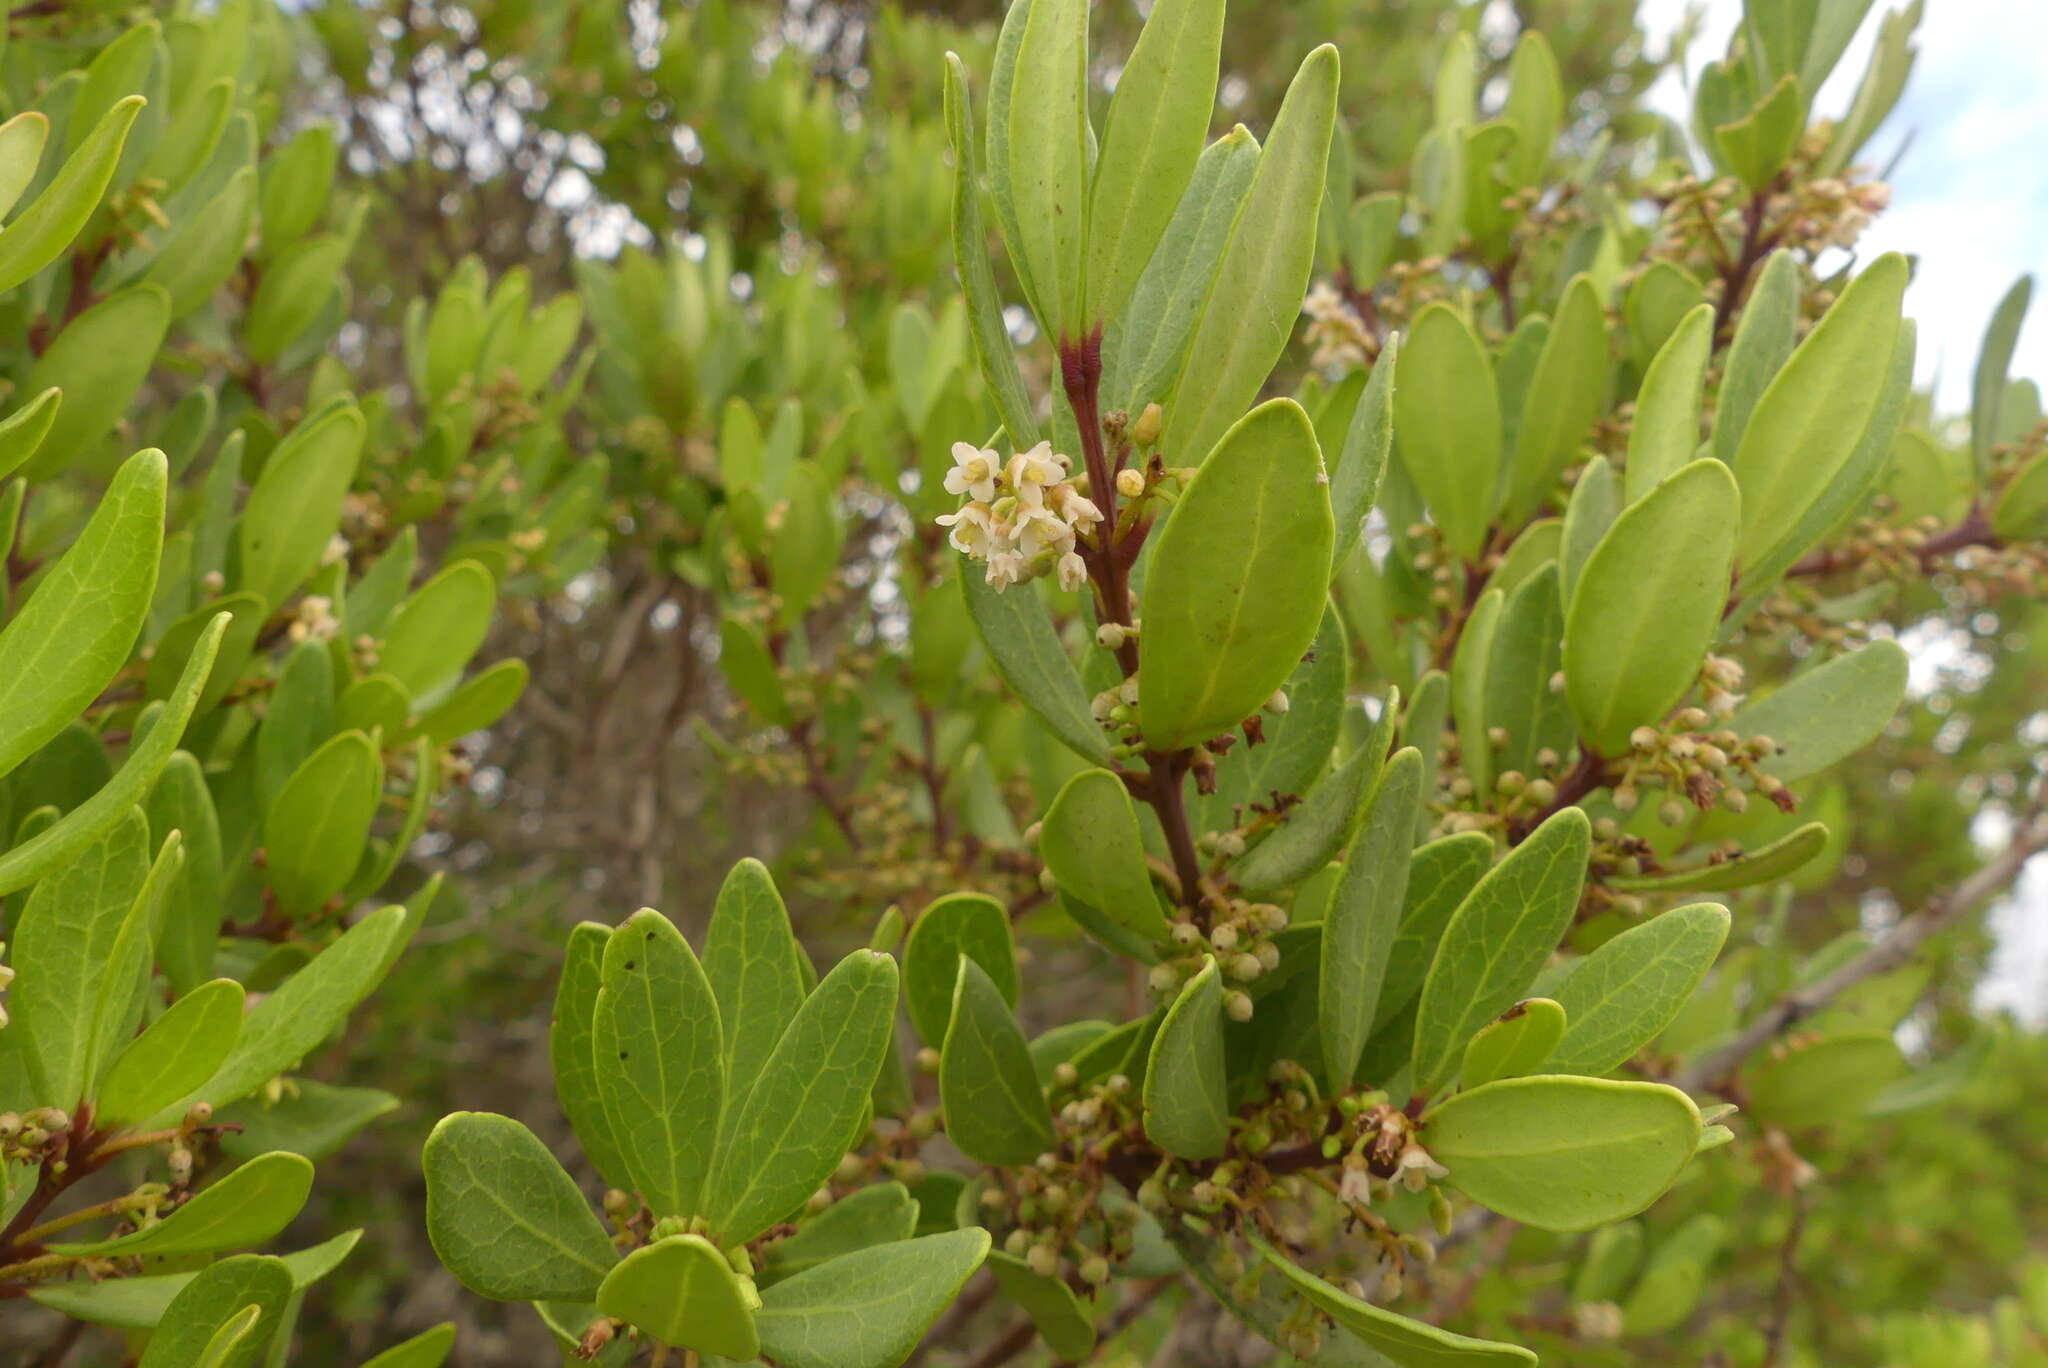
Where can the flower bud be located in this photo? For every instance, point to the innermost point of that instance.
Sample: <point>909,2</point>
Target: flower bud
<point>1277,704</point>
<point>1245,967</point>
<point>1016,1242</point>
<point>1065,1075</point>
<point>1110,635</point>
<point>1130,483</point>
<point>1163,978</point>
<point>1044,1260</point>
<point>1671,812</point>
<point>1185,932</point>
<point>1224,938</point>
<point>1149,425</point>
<point>1095,1269</point>
<point>1644,738</point>
<point>1239,1005</point>
<point>1542,791</point>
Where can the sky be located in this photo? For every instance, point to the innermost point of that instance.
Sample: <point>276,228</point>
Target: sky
<point>1970,200</point>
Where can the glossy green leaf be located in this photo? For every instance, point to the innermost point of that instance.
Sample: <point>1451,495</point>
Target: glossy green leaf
<point>572,1046</point>
<point>1026,650</point>
<point>1514,1044</point>
<point>1817,1081</point>
<point>505,1218</point>
<point>476,704</point>
<point>992,345</point>
<point>988,1090</point>
<point>1238,580</point>
<point>1621,997</point>
<point>1666,431</point>
<point>969,924</point>
<point>1091,844</point>
<point>1766,864</point>
<point>1250,313</point>
<point>44,229</point>
<point>1405,1342</point>
<point>221,1296</point>
<point>1319,826</point>
<point>659,1052</point>
<point>1829,712</point>
<point>1648,603</point>
<point>102,357</point>
<point>1365,913</point>
<point>21,152</point>
<point>180,1050</point>
<point>1187,1106</point>
<point>299,718</point>
<point>870,1307</point>
<point>1563,1153</point>
<point>22,432</point>
<point>1047,146</point>
<point>245,1207</point>
<point>1763,339</point>
<point>808,1103</point>
<point>434,633</point>
<point>1570,384</point>
<point>316,831</point>
<point>1592,509</point>
<point>294,507</point>
<point>1440,875</point>
<point>1355,484</point>
<point>758,971</point>
<point>1526,652</point>
<point>681,1291</point>
<point>1496,941</point>
<point>1158,121</point>
<point>1448,425</point>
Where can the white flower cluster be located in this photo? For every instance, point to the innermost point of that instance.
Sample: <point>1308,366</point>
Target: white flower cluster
<point>1337,330</point>
<point>1021,518</point>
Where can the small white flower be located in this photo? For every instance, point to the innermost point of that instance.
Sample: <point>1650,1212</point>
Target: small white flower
<point>1040,533</point>
<point>1030,472</point>
<point>1005,568</point>
<point>974,472</point>
<point>973,531</point>
<point>1078,509</point>
<point>1323,301</point>
<point>1355,1186</point>
<point>1073,572</point>
<point>335,550</point>
<point>1418,1169</point>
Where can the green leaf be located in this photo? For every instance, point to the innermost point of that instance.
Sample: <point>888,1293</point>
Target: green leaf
<point>992,346</point>
<point>21,152</point>
<point>1592,509</point>
<point>1497,940</point>
<point>1299,744</point>
<point>1158,121</point>
<point>1763,339</point>
<point>1571,385</point>
<point>428,1349</point>
<point>1145,347</point>
<point>808,1103</point>
<point>84,824</point>
<point>178,1052</point>
<point>1091,845</point>
<point>22,434</point>
<point>1670,1287</point>
<point>294,507</point>
<point>1513,1044</point>
<point>1666,432</point>
<point>804,552</point>
<point>1047,146</point>
<point>101,358</point>
<point>1891,59</point>
<point>757,970</point>
<point>474,705</point>
<point>294,290</point>
<point>75,631</point>
<point>659,1055</point>
<point>245,1207</point>
<point>1621,997</point>
<point>1408,1343</point>
<point>870,1307</point>
<point>1187,1105</point>
<point>308,1117</point>
<point>572,1037</point>
<point>300,717</point>
<point>1314,830</point>
<point>1535,106</point>
<point>1447,419</point>
<point>1469,668</point>
<point>1656,303</point>
<point>434,633</point>
<point>1766,864</point>
<point>1756,146</point>
<point>1563,1153</point>
<point>1364,915</point>
<point>316,831</point>
<point>1526,652</point>
<point>753,674</point>
<point>1251,310</point>
<point>1026,649</point>
<point>181,802</point>
<point>2021,513</point>
<point>1355,484</point>
<point>140,1303</point>
<point>681,1291</point>
<point>1063,1321</point>
<point>1648,603</point>
<point>877,1215</point>
<point>1238,580</point>
<point>220,1297</point>
<point>1830,712</point>
<point>47,226</point>
<point>988,1090</point>
<point>1815,1082</point>
<point>208,247</point>
<point>969,924</point>
<point>1811,420</point>
<point>505,1218</point>
<point>1440,875</point>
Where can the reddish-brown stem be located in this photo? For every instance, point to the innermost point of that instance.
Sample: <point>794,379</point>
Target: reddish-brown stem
<point>1589,774</point>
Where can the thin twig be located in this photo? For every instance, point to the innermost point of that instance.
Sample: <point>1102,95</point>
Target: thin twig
<point>1781,1300</point>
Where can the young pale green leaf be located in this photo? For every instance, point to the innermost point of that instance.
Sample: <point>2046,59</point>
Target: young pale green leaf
<point>1648,603</point>
<point>1815,1082</point>
<point>1470,665</point>
<point>48,225</point>
<point>1145,347</point>
<point>472,706</point>
<point>1656,303</point>
<point>1440,875</point>
<point>1249,315</point>
<point>180,1050</point>
<point>245,1207</point>
<point>504,1217</point>
<point>877,1215</point>
<point>1570,384</point>
<point>970,924</point>
<point>1594,505</point>
<point>221,1296</point>
<point>1063,1320</point>
<point>757,969</point>
<point>1763,339</point>
<point>434,633</point>
<point>66,642</point>
<point>428,1349</point>
<point>988,1090</point>
<point>681,1291</point>
<point>1535,106</point>
<point>1090,842</point>
<point>1187,1105</point>
<point>992,346</point>
<point>1619,998</point>
<point>572,1052</point>
<point>102,357</point>
<point>295,505</point>
<point>1355,484</point>
<point>1766,864</point>
<point>22,433</point>
<point>1447,421</point>
<point>1994,361</point>
<point>1830,711</point>
<point>1404,1342</point>
<point>1238,579</point>
<point>21,152</point>
<point>315,832</point>
<point>1666,432</point>
<point>1811,419</point>
<point>1563,1153</point>
<point>1497,940</point>
<point>1047,146</point>
<point>1514,1044</point>
<point>870,1307</point>
<point>1364,915</point>
<point>1026,649</point>
<point>808,1103</point>
<point>1319,826</point>
<point>659,1051</point>
<point>1157,124</point>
